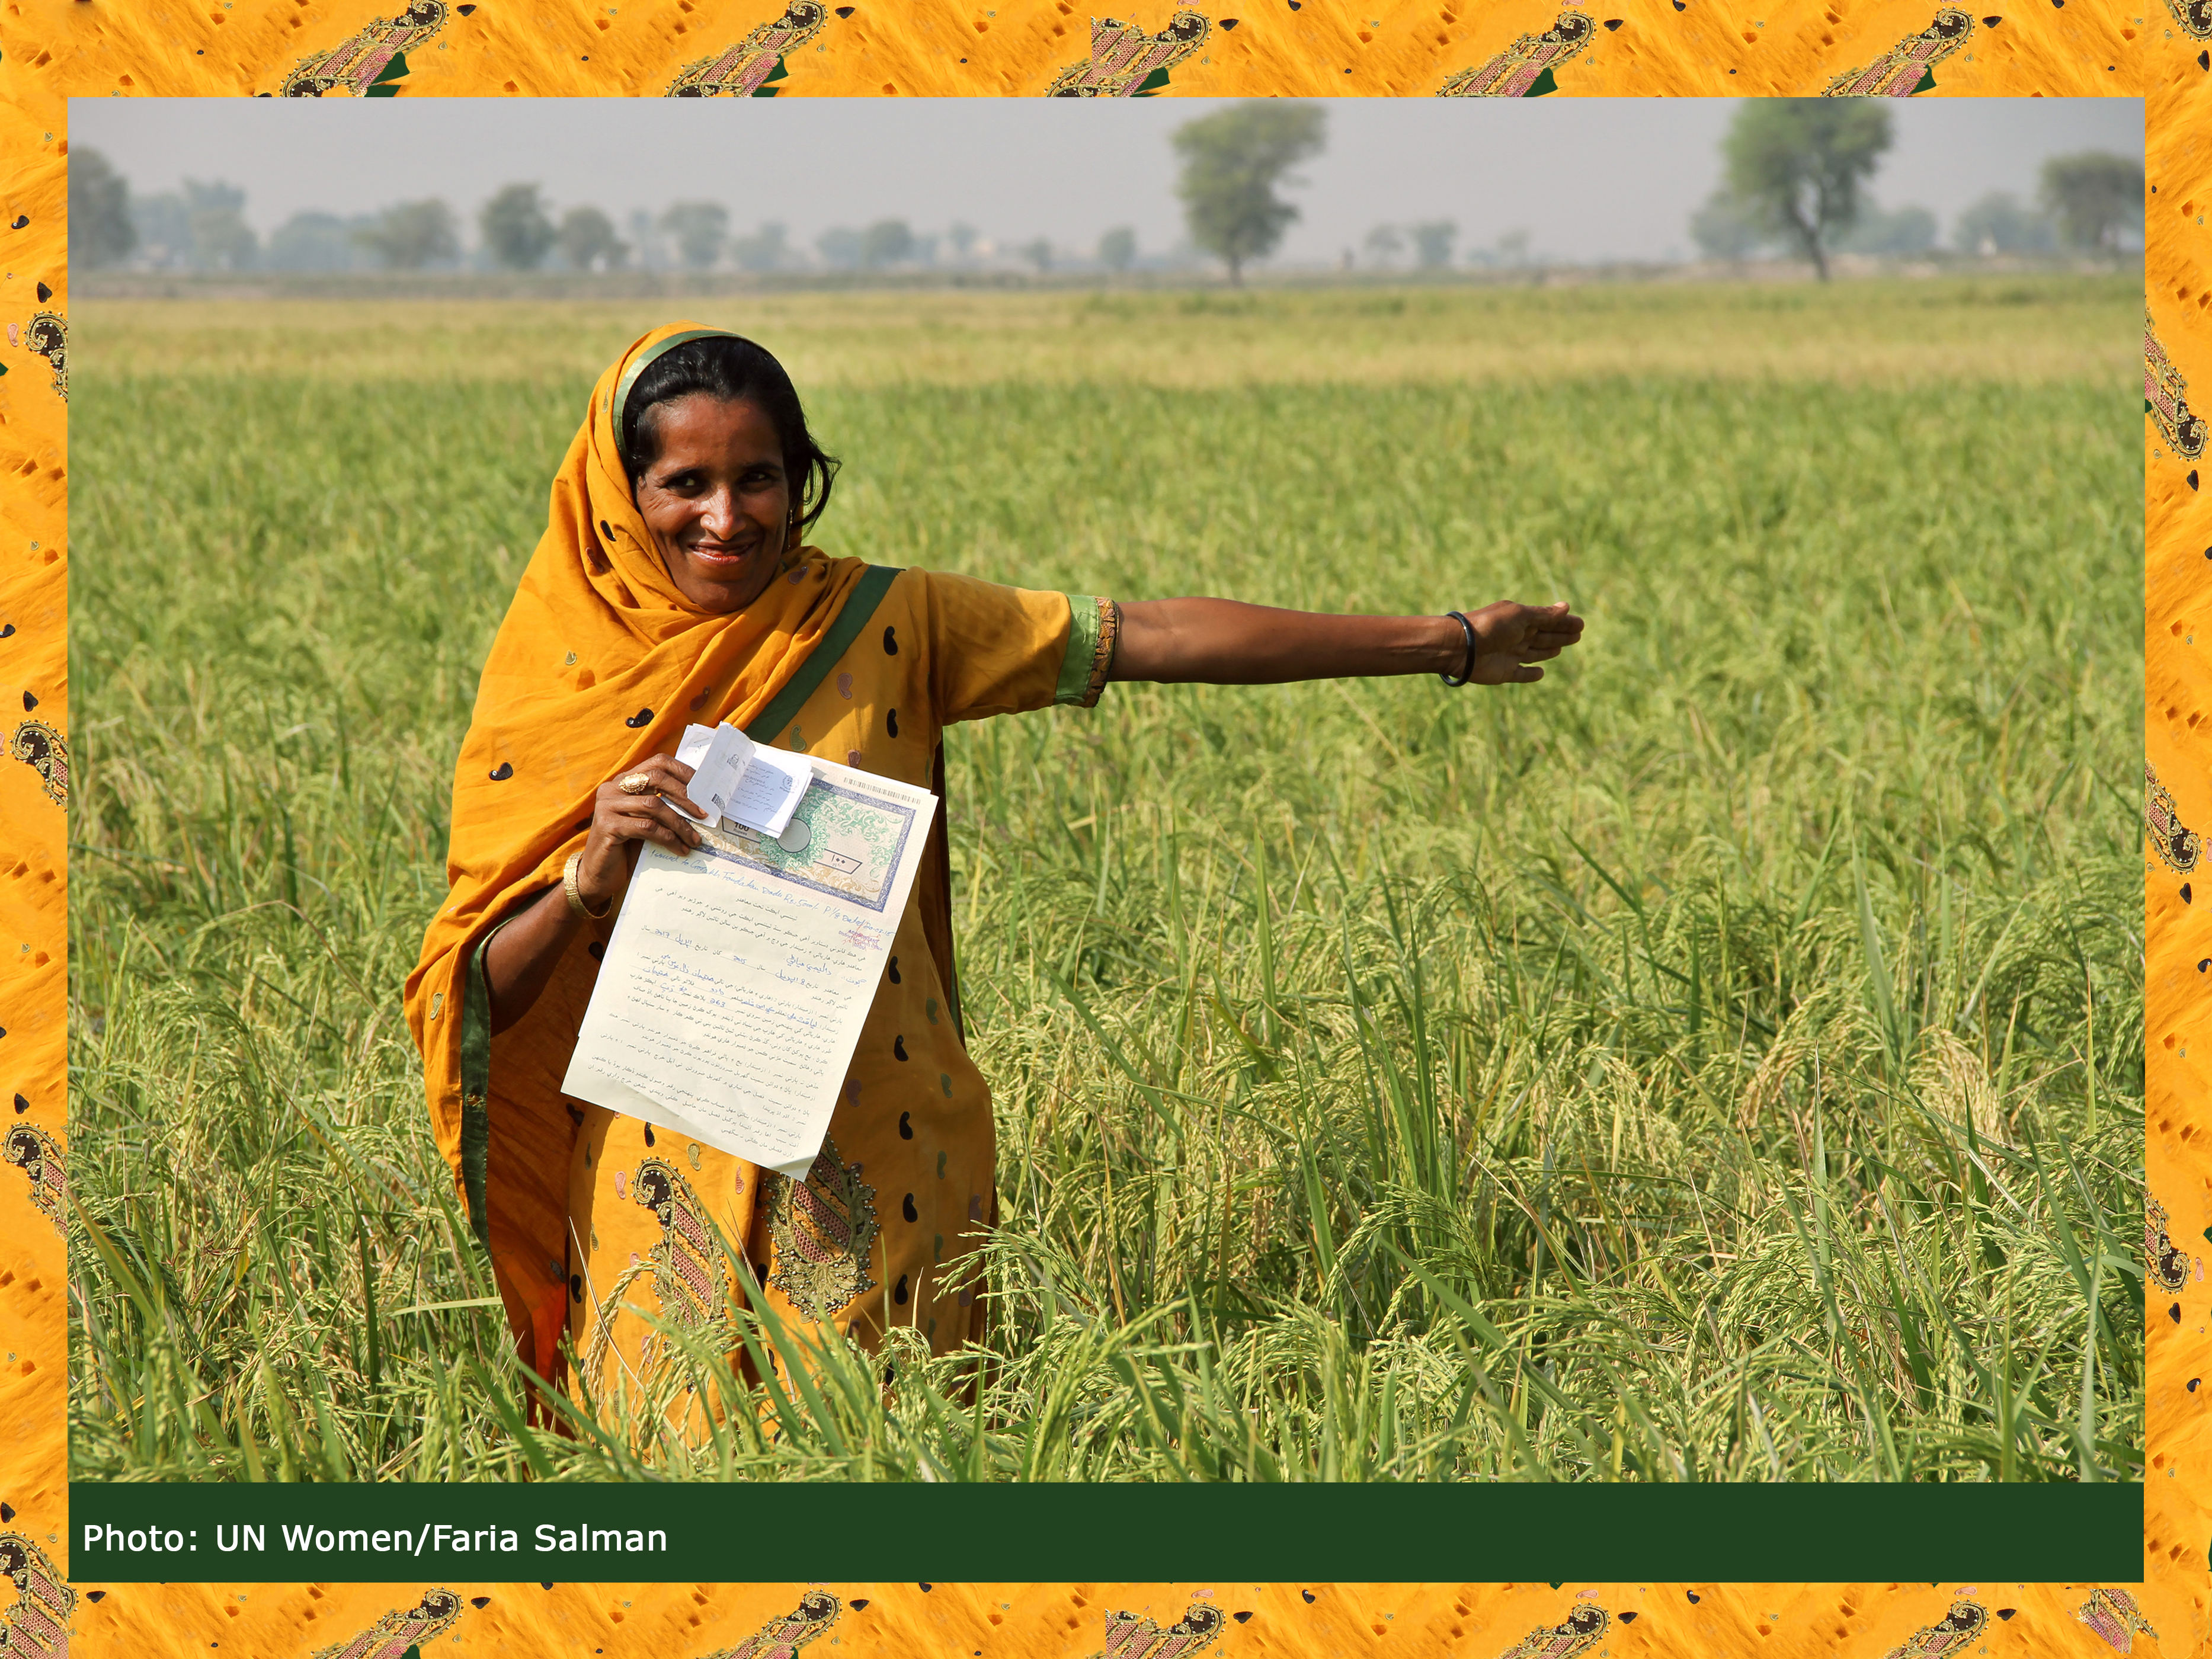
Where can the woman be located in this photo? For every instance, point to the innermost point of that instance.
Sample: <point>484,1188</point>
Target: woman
<point>672,586</point>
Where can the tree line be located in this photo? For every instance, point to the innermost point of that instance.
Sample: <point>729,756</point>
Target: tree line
<point>203,226</point>
<point>1794,173</point>
<point>1231,164</point>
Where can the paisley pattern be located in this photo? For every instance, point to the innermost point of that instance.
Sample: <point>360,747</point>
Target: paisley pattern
<point>2179,847</point>
<point>1910,65</point>
<point>39,1156</point>
<point>1127,62</point>
<point>370,63</point>
<point>39,1622</point>
<point>2194,17</point>
<point>1128,1637</point>
<point>2168,1267</point>
<point>1524,69</point>
<point>741,70</point>
<point>2113,1615</point>
<point>403,1628</point>
<point>821,1230</point>
<point>2165,397</point>
<point>783,1636</point>
<point>47,334</point>
<point>1951,1636</point>
<point>687,1263</point>
<point>47,752</point>
<point>1577,1633</point>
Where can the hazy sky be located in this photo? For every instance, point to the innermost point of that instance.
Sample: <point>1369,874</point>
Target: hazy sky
<point>1587,178</point>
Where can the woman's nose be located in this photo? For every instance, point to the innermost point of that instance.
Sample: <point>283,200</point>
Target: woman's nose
<point>719,513</point>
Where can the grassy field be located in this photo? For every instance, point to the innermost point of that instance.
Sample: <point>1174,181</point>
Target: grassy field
<point>1722,1062</point>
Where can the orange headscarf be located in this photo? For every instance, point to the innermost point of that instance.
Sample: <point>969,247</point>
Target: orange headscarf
<point>600,662</point>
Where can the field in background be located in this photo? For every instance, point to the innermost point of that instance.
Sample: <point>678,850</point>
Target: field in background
<point>1722,1061</point>
<point>2021,329</point>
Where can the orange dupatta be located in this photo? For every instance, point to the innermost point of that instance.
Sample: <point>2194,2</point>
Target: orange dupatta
<point>600,662</point>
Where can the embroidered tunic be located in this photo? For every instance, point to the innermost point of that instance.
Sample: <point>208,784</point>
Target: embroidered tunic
<point>878,1232</point>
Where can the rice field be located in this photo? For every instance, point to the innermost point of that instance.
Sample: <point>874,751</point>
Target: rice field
<point>1722,1062</point>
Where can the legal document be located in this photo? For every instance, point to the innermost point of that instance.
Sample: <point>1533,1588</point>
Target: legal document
<point>731,996</point>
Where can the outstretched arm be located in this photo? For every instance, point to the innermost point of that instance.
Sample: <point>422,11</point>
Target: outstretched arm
<point>1226,642</point>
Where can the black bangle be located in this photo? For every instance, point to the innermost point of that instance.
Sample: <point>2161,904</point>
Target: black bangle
<point>1466,670</point>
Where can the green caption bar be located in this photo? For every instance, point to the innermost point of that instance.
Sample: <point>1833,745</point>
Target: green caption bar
<point>1342,1533</point>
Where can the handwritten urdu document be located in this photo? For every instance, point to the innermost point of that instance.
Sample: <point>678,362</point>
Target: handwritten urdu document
<point>732,994</point>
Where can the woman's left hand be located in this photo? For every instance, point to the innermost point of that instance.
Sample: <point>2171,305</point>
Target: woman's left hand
<point>1508,635</point>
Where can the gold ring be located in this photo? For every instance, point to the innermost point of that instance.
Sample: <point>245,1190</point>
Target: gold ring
<point>637,783</point>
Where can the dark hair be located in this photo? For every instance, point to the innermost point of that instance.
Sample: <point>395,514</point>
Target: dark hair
<point>731,370</point>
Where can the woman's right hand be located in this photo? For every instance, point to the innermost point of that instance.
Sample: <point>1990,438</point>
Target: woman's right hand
<point>620,818</point>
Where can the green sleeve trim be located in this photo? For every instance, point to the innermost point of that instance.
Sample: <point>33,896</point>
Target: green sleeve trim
<point>1075,668</point>
<point>476,1086</point>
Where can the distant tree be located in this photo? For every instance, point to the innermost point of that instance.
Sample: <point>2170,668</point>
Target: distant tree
<point>1117,248</point>
<point>886,242</point>
<point>1232,161</point>
<point>1725,227</point>
<point>1998,224</point>
<point>588,237</point>
<point>644,236</point>
<point>163,226</point>
<point>1799,164</point>
<point>840,246</point>
<point>1384,245</point>
<point>763,249</point>
<point>1432,243</point>
<point>222,239</point>
<point>699,229</point>
<point>1513,248</point>
<point>412,234</point>
<point>2094,197</point>
<point>1038,252</point>
<point>1906,230</point>
<point>315,242</point>
<point>100,228</point>
<point>962,238</point>
<point>516,229</point>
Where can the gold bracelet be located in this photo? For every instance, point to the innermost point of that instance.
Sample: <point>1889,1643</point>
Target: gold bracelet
<point>576,905</point>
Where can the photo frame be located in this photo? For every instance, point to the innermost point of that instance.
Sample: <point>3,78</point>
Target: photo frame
<point>53,51</point>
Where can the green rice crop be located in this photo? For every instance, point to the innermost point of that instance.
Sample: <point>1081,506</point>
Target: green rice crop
<point>1721,1062</point>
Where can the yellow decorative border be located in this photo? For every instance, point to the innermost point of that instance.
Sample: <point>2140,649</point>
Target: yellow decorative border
<point>1518,71</point>
<point>1909,66</point>
<point>741,71</point>
<point>52,49</point>
<point>1124,58</point>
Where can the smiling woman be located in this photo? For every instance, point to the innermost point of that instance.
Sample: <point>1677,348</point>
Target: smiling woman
<point>716,499</point>
<point>703,443</point>
<point>672,586</point>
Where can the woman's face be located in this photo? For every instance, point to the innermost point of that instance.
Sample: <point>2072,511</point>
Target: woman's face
<point>716,499</point>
